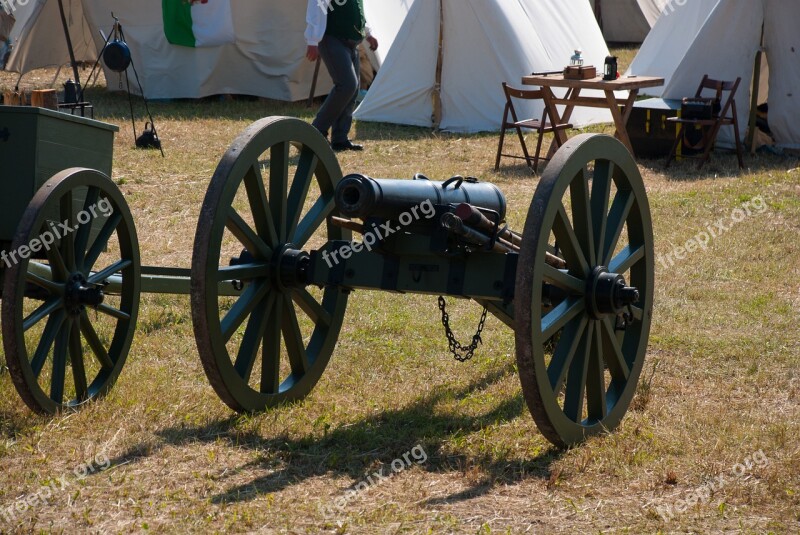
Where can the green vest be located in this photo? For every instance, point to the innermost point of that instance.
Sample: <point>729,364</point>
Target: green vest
<point>346,20</point>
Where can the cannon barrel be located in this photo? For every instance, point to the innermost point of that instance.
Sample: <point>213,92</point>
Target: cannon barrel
<point>361,196</point>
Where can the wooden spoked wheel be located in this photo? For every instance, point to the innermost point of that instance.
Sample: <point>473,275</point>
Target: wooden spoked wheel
<point>582,331</point>
<point>71,291</point>
<point>267,205</point>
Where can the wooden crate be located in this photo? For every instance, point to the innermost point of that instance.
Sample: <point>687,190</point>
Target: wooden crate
<point>35,144</point>
<point>650,133</point>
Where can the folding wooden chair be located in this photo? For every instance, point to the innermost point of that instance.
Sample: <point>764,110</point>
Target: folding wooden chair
<point>711,126</point>
<point>540,126</point>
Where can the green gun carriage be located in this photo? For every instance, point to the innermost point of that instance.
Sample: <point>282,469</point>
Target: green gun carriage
<point>274,263</point>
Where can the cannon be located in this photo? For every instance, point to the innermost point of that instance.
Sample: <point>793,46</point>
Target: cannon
<point>275,261</point>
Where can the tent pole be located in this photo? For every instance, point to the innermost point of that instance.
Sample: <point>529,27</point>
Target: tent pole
<point>598,13</point>
<point>751,125</point>
<point>69,43</point>
<point>437,87</point>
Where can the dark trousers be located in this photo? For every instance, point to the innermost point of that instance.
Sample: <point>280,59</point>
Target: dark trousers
<point>341,59</point>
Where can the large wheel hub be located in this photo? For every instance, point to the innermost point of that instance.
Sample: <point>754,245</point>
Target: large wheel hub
<point>78,295</point>
<point>291,267</point>
<point>608,294</point>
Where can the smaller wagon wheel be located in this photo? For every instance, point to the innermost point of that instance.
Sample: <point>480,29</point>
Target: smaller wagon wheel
<point>267,205</point>
<point>582,330</point>
<point>71,291</point>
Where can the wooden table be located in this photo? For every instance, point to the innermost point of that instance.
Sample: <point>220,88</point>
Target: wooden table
<point>620,110</point>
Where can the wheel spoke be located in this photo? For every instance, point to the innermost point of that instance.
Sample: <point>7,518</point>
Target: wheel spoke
<point>278,185</point>
<point>565,352</point>
<point>247,236</point>
<point>253,337</point>
<point>82,235</point>
<point>76,357</point>
<point>601,193</point>
<point>293,338</point>
<point>321,209</point>
<point>101,241</point>
<point>113,312</point>
<point>271,361</point>
<point>44,310</point>
<point>563,280</point>
<point>259,206</point>
<point>596,382</point>
<point>306,168</point>
<point>67,245</point>
<point>57,266</point>
<point>243,307</point>
<point>49,285</point>
<point>554,320</point>
<point>95,344</point>
<point>103,274</point>
<point>51,330</point>
<point>60,363</point>
<point>582,215</point>
<point>637,312</point>
<point>569,244</point>
<point>626,259</point>
<point>620,208</point>
<point>612,352</point>
<point>309,305</point>
<point>576,379</point>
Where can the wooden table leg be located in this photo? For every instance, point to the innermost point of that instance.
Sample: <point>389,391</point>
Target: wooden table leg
<point>628,106</point>
<point>559,136</point>
<point>619,119</point>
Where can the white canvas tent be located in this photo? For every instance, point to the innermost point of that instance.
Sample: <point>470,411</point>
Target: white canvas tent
<point>267,59</point>
<point>485,42</point>
<point>669,41</point>
<point>39,39</point>
<point>385,18</point>
<point>725,47</point>
<point>627,21</point>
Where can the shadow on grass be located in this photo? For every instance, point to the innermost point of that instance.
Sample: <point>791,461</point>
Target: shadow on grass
<point>723,164</point>
<point>353,449</point>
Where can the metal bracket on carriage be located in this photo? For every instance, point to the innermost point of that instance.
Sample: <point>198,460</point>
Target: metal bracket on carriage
<point>472,224</point>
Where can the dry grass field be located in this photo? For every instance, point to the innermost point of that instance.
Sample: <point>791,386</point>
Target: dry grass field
<point>709,445</point>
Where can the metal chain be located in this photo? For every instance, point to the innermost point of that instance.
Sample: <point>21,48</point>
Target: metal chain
<point>460,353</point>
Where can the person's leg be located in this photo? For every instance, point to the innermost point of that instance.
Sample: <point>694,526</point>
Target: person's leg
<point>337,57</point>
<point>342,124</point>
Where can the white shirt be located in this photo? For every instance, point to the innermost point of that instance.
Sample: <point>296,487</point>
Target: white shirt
<point>317,21</point>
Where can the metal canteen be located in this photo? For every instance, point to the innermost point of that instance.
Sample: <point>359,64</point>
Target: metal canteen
<point>117,56</point>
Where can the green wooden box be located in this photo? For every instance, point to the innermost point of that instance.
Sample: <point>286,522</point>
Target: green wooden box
<point>37,143</point>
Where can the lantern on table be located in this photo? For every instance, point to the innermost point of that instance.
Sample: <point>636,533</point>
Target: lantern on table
<point>610,68</point>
